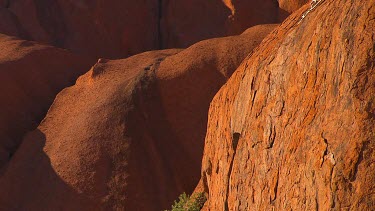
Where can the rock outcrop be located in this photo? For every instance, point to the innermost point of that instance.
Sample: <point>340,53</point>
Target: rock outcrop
<point>293,128</point>
<point>292,5</point>
<point>128,135</point>
<point>120,28</point>
<point>30,76</point>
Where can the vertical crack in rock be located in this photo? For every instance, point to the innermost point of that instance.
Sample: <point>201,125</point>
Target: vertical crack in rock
<point>51,18</point>
<point>236,138</point>
<point>7,4</point>
<point>325,153</point>
<point>329,156</point>
<point>269,133</point>
<point>274,187</point>
<point>160,16</point>
<point>206,179</point>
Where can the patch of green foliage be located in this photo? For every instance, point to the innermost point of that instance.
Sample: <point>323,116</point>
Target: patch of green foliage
<point>189,203</point>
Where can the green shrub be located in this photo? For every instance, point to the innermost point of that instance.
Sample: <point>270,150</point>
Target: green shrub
<point>187,203</point>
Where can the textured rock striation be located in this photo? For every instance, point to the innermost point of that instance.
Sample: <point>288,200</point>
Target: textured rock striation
<point>30,76</point>
<point>293,128</point>
<point>129,134</point>
<point>120,28</point>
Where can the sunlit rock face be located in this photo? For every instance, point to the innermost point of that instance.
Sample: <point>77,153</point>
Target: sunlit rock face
<point>293,128</point>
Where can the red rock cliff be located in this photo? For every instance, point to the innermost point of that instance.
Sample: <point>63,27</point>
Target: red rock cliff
<point>293,128</point>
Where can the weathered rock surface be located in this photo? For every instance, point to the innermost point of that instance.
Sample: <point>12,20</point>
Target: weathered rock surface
<point>293,128</point>
<point>119,28</point>
<point>128,135</point>
<point>30,76</point>
<point>292,5</point>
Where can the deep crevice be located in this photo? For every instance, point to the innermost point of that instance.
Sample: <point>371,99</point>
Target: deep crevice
<point>160,16</point>
<point>7,4</point>
<point>236,138</point>
<point>275,188</point>
<point>51,18</point>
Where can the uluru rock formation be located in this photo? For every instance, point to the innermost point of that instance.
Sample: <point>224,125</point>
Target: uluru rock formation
<point>276,117</point>
<point>129,134</point>
<point>120,28</point>
<point>293,128</point>
<point>30,77</point>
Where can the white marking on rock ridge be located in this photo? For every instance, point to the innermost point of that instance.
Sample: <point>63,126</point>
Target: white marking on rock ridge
<point>313,5</point>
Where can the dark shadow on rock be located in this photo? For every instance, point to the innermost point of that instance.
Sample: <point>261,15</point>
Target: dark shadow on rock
<point>31,183</point>
<point>28,86</point>
<point>166,163</point>
<point>283,14</point>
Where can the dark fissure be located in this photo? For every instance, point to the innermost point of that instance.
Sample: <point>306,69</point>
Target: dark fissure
<point>236,138</point>
<point>7,3</point>
<point>160,16</point>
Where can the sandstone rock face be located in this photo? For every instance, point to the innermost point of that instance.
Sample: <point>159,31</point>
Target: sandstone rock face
<point>293,128</point>
<point>119,28</point>
<point>128,135</point>
<point>292,5</point>
<point>30,77</point>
